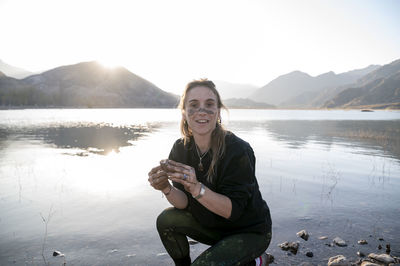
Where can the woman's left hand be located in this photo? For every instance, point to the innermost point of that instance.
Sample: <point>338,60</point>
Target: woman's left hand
<point>183,174</point>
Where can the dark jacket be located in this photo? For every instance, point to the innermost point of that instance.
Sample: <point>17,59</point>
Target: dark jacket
<point>235,179</point>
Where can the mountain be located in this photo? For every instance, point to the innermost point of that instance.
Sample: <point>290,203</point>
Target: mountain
<point>234,90</point>
<point>13,71</point>
<point>298,89</point>
<point>86,84</point>
<point>378,89</point>
<point>245,103</point>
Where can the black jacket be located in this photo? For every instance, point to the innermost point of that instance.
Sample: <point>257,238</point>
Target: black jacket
<point>235,179</point>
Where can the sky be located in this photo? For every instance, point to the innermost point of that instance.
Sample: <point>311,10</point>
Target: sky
<point>171,42</point>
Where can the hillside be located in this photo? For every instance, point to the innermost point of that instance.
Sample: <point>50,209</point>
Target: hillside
<point>13,71</point>
<point>379,89</point>
<point>245,103</point>
<point>234,90</point>
<point>86,84</point>
<point>300,90</point>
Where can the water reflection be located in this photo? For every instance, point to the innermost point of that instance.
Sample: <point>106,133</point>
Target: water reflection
<point>93,138</point>
<point>373,135</point>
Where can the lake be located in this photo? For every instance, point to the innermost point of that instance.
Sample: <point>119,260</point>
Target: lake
<point>75,180</point>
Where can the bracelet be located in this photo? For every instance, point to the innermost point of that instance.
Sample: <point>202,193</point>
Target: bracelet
<point>166,194</point>
<point>202,191</point>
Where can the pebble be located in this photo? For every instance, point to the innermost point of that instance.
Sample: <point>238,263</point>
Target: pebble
<point>322,237</point>
<point>379,246</point>
<point>57,253</point>
<point>270,259</point>
<point>387,248</point>
<point>291,246</point>
<point>310,254</point>
<point>338,260</point>
<point>385,258</point>
<point>161,254</point>
<point>362,242</point>
<point>303,234</point>
<point>368,263</point>
<point>360,254</point>
<point>340,242</point>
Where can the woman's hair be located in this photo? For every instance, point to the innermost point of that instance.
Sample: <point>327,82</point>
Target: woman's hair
<point>217,146</point>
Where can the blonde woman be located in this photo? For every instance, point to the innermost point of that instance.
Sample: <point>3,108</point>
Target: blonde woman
<point>214,191</point>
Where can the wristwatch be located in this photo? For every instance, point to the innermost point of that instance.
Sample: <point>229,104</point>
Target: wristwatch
<point>202,191</point>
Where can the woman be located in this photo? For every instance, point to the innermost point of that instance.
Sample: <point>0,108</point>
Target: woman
<point>215,193</point>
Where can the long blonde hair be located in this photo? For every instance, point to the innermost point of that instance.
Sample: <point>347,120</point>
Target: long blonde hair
<point>217,146</point>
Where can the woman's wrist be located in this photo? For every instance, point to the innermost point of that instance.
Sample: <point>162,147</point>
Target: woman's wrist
<point>167,190</point>
<point>201,190</point>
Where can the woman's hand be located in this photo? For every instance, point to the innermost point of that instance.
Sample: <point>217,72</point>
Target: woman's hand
<point>158,178</point>
<point>183,174</point>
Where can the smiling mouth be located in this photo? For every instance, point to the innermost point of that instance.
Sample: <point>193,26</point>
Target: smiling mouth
<point>202,121</point>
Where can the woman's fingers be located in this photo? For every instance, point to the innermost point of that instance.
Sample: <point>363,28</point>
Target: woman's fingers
<point>154,170</point>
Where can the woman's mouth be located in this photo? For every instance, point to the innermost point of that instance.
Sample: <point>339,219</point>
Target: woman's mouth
<point>202,121</point>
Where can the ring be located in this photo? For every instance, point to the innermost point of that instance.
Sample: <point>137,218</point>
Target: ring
<point>185,176</point>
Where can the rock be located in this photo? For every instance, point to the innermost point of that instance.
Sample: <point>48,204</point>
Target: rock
<point>291,246</point>
<point>310,254</point>
<point>161,254</point>
<point>340,242</point>
<point>368,263</point>
<point>322,237</point>
<point>388,249</point>
<point>362,242</point>
<point>360,254</point>
<point>381,239</point>
<point>269,258</point>
<point>303,234</point>
<point>57,253</point>
<point>338,260</point>
<point>379,246</point>
<point>384,258</point>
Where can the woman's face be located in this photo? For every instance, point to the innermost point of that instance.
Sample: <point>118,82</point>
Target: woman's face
<point>201,111</point>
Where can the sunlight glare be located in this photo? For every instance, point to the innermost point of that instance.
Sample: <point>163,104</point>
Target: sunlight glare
<point>109,62</point>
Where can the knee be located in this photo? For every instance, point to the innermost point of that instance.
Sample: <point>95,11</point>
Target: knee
<point>165,219</point>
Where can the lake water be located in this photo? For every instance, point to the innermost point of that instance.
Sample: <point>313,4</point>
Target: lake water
<point>75,180</point>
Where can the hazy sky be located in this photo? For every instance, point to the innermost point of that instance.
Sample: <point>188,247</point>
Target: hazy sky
<point>170,42</point>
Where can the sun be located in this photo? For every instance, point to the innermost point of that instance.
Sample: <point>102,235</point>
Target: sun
<point>109,62</point>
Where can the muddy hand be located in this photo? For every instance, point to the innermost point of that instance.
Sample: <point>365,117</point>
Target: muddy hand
<point>158,178</point>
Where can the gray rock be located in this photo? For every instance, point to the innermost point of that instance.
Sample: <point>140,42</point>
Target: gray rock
<point>303,234</point>
<point>384,258</point>
<point>338,260</point>
<point>360,254</point>
<point>340,242</point>
<point>362,242</point>
<point>368,263</point>
<point>291,246</point>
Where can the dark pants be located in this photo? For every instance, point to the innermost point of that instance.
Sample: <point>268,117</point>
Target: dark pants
<point>174,225</point>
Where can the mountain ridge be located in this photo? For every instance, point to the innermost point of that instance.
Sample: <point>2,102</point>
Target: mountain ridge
<point>86,84</point>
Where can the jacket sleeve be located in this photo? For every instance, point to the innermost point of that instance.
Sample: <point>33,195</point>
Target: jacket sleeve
<point>237,180</point>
